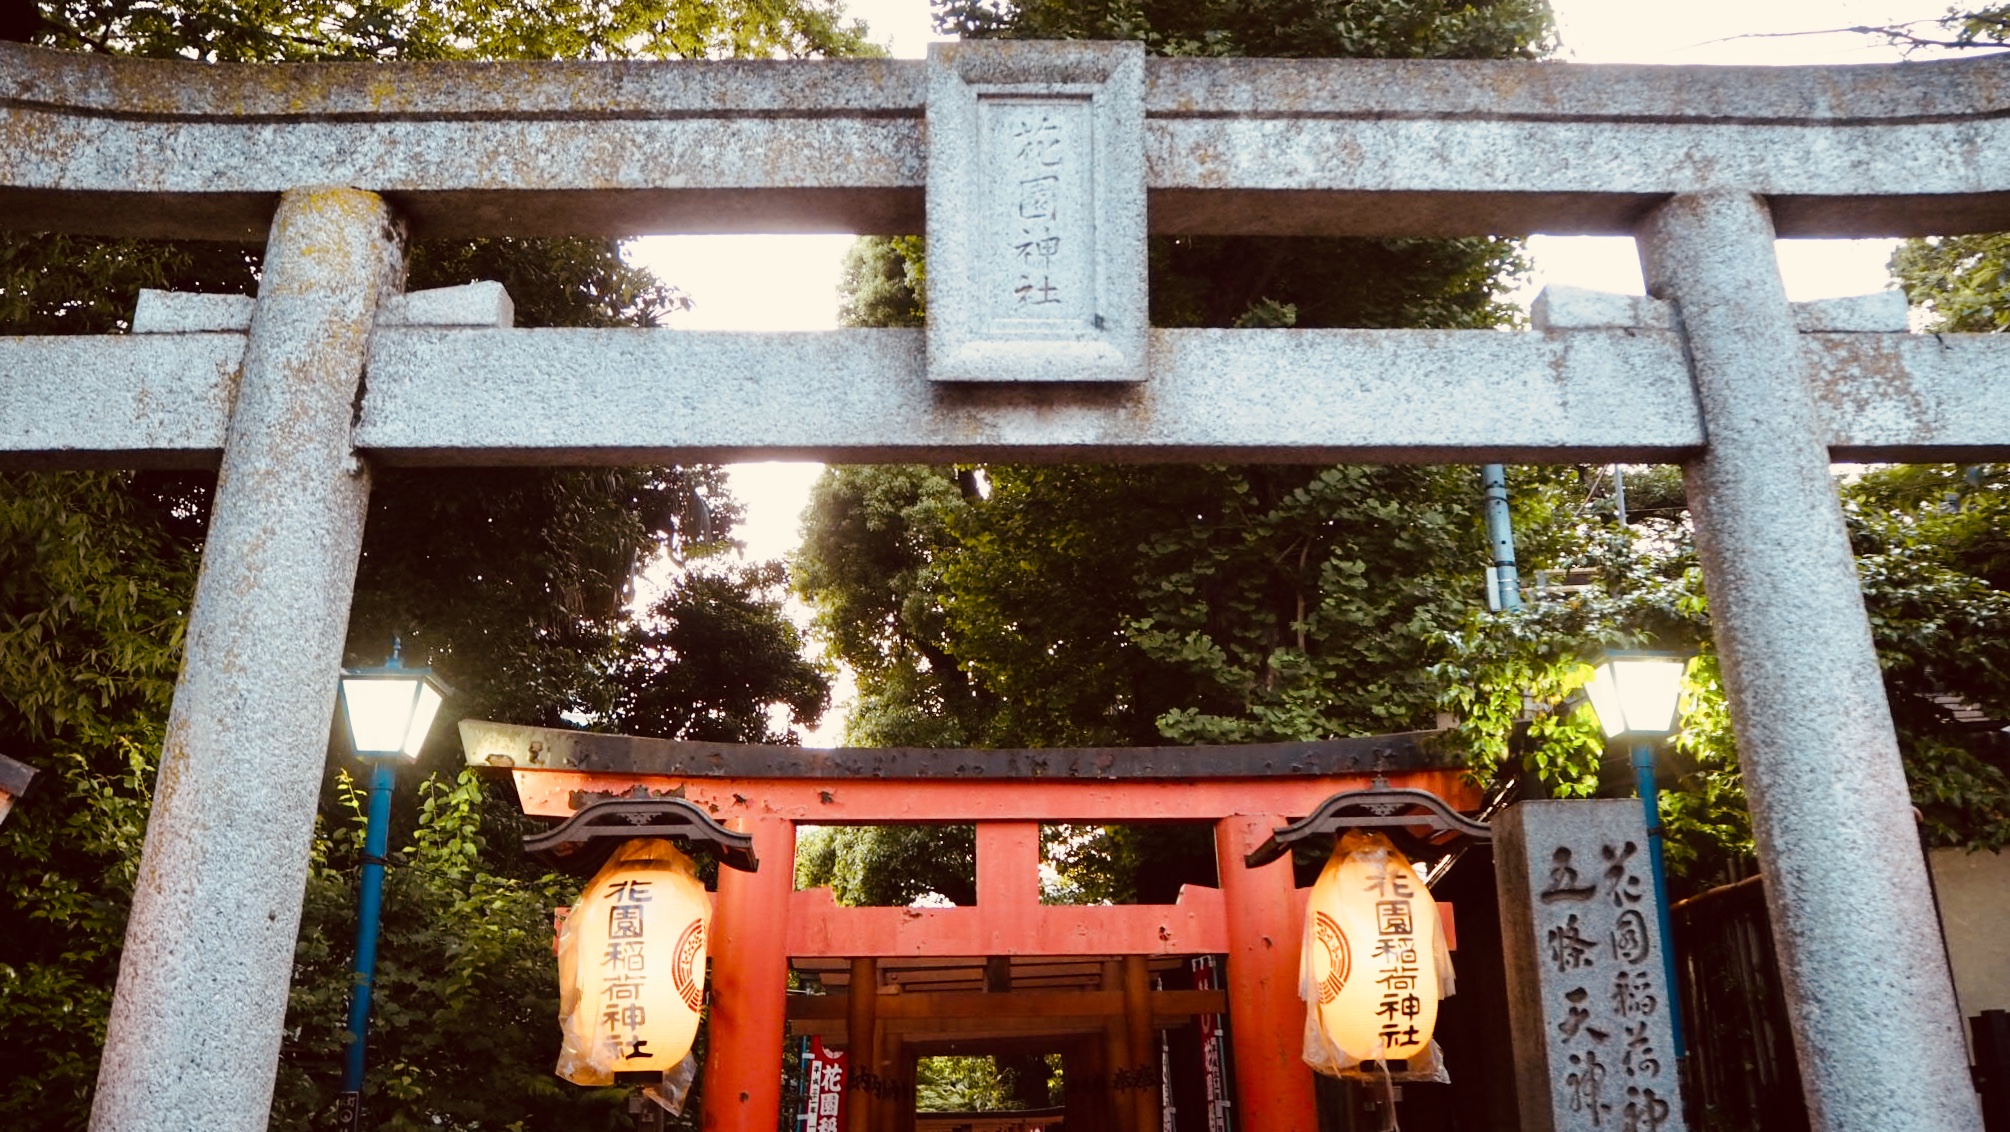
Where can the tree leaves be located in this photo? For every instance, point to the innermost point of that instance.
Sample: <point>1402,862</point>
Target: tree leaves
<point>1962,283</point>
<point>271,31</point>
<point>1380,29</point>
<point>92,600</point>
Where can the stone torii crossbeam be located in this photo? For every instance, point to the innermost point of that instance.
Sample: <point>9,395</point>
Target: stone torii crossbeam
<point>1036,170</point>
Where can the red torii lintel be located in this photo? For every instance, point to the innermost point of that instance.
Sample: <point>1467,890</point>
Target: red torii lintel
<point>1255,917</point>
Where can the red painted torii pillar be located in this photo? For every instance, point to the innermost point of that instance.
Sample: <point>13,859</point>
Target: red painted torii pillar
<point>750,980</point>
<point>1266,925</point>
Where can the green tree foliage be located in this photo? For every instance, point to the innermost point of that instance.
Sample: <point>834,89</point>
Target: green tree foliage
<point>1962,283</point>
<point>1132,605</point>
<point>94,580</point>
<point>883,284</point>
<point>890,866</point>
<point>714,658</point>
<point>1934,541</point>
<point>963,1084</point>
<point>1513,681</point>
<point>1225,604</point>
<point>1933,553</point>
<point>462,1026</point>
<point>1137,605</point>
<point>1272,281</point>
<point>270,31</point>
<point>1933,549</point>
<point>869,568</point>
<point>1958,30</point>
<point>1986,27</point>
<point>1282,29</point>
<point>92,602</point>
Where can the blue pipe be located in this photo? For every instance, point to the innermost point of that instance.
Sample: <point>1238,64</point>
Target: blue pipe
<point>375,835</point>
<point>1500,536</point>
<point>1650,806</point>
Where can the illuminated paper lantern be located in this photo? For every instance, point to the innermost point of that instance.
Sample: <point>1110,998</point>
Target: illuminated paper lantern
<point>1374,963</point>
<point>631,965</point>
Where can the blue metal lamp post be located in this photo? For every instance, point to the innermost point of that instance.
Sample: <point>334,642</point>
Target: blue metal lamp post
<point>388,711</point>
<point>1637,695</point>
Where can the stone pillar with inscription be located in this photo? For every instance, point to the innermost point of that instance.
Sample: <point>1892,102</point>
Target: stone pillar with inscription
<point>1586,1001</point>
<point>1036,212</point>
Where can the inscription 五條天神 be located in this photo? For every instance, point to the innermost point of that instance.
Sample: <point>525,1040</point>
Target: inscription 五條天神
<point>1598,944</point>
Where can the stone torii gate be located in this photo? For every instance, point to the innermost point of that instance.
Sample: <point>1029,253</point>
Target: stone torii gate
<point>1036,171</point>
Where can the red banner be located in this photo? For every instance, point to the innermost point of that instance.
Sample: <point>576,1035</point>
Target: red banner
<point>823,1094</point>
<point>1212,1049</point>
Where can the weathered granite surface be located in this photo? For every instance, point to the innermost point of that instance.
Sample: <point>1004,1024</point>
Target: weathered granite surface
<point>187,312</point>
<point>1558,307</point>
<point>1036,222</point>
<point>1588,1003</point>
<point>469,396</point>
<point>1377,147</point>
<point>1846,884</point>
<point>1704,165</point>
<point>485,304</point>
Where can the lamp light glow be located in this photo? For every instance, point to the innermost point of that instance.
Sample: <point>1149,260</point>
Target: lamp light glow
<point>631,965</point>
<point>1637,693</point>
<point>390,709</point>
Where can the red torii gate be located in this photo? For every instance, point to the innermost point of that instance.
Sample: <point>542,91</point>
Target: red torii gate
<point>1255,917</point>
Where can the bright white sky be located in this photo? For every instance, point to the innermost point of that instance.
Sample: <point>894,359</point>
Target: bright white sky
<point>790,282</point>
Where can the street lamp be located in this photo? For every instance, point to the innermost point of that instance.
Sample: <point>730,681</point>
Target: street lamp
<point>1636,696</point>
<point>388,711</point>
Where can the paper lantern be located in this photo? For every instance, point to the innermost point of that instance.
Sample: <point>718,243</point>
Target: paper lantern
<point>631,965</point>
<point>1374,960</point>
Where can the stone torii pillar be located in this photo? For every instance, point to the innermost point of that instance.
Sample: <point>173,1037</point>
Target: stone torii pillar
<point>1853,915</point>
<point>193,1040</point>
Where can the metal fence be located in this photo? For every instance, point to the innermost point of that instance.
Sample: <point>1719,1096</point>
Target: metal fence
<point>1741,1070</point>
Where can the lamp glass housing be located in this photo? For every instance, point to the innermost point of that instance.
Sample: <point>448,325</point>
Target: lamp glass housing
<point>389,711</point>
<point>1637,693</point>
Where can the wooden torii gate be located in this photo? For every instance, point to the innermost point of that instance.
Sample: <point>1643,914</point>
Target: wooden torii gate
<point>762,922</point>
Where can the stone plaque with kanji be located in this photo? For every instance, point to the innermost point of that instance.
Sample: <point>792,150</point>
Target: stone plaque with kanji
<point>1588,1001</point>
<point>1036,220</point>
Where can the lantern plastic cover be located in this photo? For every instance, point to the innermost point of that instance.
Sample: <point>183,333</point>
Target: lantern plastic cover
<point>1636,695</point>
<point>389,714</point>
<point>631,965</point>
<point>1374,963</point>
